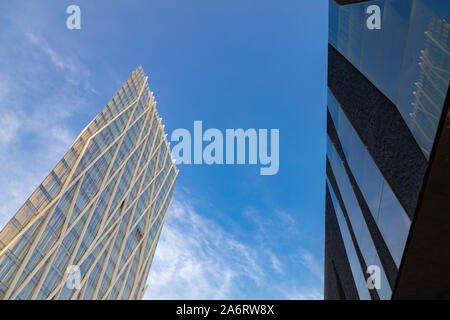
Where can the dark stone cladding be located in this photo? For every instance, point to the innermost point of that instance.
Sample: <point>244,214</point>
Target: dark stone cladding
<point>380,127</point>
<point>338,280</point>
<point>332,180</point>
<point>383,252</point>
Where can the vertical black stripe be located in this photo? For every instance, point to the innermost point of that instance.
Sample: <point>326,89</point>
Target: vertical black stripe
<point>383,252</point>
<point>336,258</point>
<point>332,179</point>
<point>380,127</point>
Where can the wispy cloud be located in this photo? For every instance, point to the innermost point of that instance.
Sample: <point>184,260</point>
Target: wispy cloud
<point>40,92</point>
<point>197,258</point>
<point>276,263</point>
<point>75,72</point>
<point>303,294</point>
<point>312,264</point>
<point>9,124</point>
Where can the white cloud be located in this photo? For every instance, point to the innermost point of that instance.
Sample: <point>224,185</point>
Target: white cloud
<point>4,87</point>
<point>312,264</point>
<point>197,259</point>
<point>9,124</point>
<point>276,263</point>
<point>303,294</point>
<point>31,143</point>
<point>40,92</point>
<point>43,44</point>
<point>75,72</point>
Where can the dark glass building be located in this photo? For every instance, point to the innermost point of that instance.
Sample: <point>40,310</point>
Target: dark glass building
<point>388,151</point>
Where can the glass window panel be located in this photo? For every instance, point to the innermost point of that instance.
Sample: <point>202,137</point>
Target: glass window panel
<point>370,46</point>
<point>357,23</point>
<point>345,188</point>
<point>362,288</point>
<point>371,183</point>
<point>426,69</point>
<point>395,29</point>
<point>333,21</point>
<point>349,247</point>
<point>385,291</point>
<point>344,133</point>
<point>358,224</point>
<point>366,246</point>
<point>393,223</point>
<point>391,219</point>
<point>343,28</point>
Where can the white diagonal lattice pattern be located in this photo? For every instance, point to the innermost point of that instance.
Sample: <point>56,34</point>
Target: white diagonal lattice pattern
<point>101,208</point>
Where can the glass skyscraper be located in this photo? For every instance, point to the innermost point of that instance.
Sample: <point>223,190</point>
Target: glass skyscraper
<point>386,148</point>
<point>90,230</point>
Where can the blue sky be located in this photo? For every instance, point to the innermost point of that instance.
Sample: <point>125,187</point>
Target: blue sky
<point>230,232</point>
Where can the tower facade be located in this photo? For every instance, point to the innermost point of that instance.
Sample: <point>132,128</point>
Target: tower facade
<point>90,230</point>
<point>387,185</point>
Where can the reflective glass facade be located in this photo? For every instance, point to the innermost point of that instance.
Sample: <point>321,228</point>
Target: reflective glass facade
<point>407,59</point>
<point>408,62</point>
<point>98,214</point>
